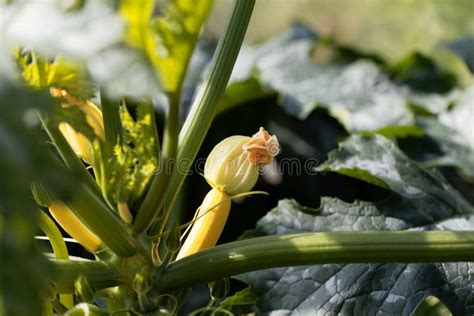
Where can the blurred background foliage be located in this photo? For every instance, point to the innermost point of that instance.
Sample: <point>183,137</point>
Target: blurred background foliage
<point>388,28</point>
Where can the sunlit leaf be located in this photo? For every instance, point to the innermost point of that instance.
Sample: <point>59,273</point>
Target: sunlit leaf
<point>133,162</point>
<point>168,39</point>
<point>40,73</point>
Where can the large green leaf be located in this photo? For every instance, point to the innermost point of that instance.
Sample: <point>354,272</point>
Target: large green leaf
<point>352,86</point>
<point>168,39</point>
<point>378,160</point>
<point>354,93</point>
<point>356,289</point>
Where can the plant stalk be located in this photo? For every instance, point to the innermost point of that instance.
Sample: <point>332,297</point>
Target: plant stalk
<point>108,227</point>
<point>69,157</point>
<point>318,248</point>
<point>155,196</point>
<point>112,124</point>
<point>55,237</point>
<point>204,107</point>
<point>285,250</point>
<point>98,274</point>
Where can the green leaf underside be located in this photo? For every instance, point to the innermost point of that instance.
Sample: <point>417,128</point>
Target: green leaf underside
<point>378,160</point>
<point>133,164</point>
<point>356,289</point>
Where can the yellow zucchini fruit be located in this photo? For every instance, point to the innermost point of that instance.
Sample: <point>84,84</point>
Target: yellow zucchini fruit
<point>73,225</point>
<point>210,221</point>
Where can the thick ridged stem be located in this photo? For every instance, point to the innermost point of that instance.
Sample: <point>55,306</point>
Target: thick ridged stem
<point>108,227</point>
<point>318,248</point>
<point>284,250</point>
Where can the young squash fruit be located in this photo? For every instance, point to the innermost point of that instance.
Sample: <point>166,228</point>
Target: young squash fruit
<point>231,168</point>
<point>73,225</point>
<point>65,217</point>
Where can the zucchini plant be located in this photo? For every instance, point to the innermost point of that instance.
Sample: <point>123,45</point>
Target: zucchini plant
<point>106,107</point>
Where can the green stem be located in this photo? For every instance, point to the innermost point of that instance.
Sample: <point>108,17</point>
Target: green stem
<point>113,131</point>
<point>318,248</point>
<point>112,124</point>
<point>281,251</point>
<point>204,107</point>
<point>99,274</point>
<point>99,218</point>
<point>69,157</point>
<point>153,202</point>
<point>59,248</point>
<point>54,235</point>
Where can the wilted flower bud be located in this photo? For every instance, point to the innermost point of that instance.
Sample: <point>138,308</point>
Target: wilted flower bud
<point>233,164</point>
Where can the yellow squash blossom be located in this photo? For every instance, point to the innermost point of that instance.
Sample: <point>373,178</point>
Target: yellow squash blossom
<point>231,168</point>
